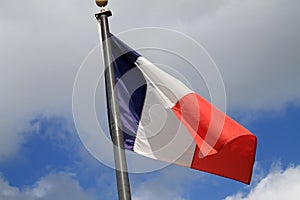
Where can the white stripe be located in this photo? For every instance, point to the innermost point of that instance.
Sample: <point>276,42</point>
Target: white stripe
<point>161,135</point>
<point>169,88</point>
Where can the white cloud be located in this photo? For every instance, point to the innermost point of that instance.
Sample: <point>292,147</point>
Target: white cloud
<point>9,142</point>
<point>168,184</point>
<point>58,186</point>
<point>255,45</point>
<point>43,44</point>
<point>277,185</point>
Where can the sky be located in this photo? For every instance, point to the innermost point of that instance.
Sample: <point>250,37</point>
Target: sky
<point>255,45</point>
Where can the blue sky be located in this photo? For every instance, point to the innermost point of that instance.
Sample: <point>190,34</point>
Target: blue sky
<point>255,45</point>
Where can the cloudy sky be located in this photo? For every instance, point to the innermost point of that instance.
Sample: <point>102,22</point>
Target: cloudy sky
<point>254,43</point>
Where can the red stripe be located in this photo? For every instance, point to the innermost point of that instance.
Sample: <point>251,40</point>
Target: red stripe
<point>233,147</point>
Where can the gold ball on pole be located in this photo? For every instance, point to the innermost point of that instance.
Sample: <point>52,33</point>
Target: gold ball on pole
<point>101,3</point>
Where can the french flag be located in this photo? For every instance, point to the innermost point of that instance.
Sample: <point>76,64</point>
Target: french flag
<point>165,120</point>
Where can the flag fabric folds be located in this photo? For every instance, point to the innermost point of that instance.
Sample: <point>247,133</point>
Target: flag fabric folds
<point>165,120</point>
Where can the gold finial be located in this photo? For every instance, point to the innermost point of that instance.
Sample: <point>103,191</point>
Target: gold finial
<point>101,3</point>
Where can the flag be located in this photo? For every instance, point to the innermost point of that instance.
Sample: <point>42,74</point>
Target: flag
<point>165,120</point>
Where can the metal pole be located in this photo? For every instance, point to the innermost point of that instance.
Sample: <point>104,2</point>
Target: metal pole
<point>113,110</point>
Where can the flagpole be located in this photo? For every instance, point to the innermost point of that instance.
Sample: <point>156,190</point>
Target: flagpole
<point>113,106</point>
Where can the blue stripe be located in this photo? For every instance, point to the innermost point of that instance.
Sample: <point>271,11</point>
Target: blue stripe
<point>131,99</point>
